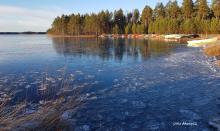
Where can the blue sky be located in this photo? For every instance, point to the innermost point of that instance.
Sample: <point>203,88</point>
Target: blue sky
<point>37,15</point>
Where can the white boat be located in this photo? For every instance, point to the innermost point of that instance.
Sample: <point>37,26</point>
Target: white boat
<point>173,36</point>
<point>146,36</point>
<point>201,43</point>
<point>179,36</point>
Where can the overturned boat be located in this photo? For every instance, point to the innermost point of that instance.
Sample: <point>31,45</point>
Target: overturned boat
<point>201,43</point>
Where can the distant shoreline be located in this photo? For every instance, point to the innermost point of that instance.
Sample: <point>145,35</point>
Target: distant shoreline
<point>74,36</point>
<point>21,33</point>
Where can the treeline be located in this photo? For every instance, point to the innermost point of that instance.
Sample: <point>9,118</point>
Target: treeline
<point>190,17</point>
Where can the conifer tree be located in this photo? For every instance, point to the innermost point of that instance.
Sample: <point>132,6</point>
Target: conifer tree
<point>172,9</point>
<point>119,20</point>
<point>134,29</point>
<point>159,11</point>
<point>129,18</point>
<point>146,17</point>
<point>187,8</point>
<point>140,29</point>
<point>216,8</point>
<point>203,9</point>
<point>136,15</point>
<point>215,26</point>
<point>116,29</point>
<point>128,28</point>
<point>161,20</point>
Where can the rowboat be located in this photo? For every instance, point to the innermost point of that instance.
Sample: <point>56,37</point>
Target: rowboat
<point>201,43</point>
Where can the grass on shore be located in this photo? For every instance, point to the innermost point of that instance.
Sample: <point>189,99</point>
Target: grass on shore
<point>47,117</point>
<point>212,50</point>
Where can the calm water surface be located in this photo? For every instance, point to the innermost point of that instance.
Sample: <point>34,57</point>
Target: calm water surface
<point>129,84</point>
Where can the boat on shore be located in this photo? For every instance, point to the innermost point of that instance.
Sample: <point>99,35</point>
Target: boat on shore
<point>180,36</point>
<point>202,42</point>
<point>173,36</point>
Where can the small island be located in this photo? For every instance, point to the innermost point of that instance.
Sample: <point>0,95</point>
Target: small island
<point>23,33</point>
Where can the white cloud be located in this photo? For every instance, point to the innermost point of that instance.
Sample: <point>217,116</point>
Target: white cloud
<point>22,19</point>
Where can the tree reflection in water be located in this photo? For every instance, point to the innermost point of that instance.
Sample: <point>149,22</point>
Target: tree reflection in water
<point>106,49</point>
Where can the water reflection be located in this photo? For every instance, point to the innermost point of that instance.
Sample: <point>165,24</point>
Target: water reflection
<point>106,49</point>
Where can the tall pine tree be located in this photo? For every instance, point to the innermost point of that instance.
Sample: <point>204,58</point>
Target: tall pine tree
<point>187,8</point>
<point>172,9</point>
<point>146,17</point>
<point>203,9</point>
<point>159,11</point>
<point>216,8</point>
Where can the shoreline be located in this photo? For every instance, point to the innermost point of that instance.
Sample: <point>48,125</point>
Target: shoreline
<point>160,37</point>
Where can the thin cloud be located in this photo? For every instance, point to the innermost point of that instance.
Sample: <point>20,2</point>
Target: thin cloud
<point>22,19</point>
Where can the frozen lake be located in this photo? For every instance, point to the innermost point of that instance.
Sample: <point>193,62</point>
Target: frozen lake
<point>128,84</point>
